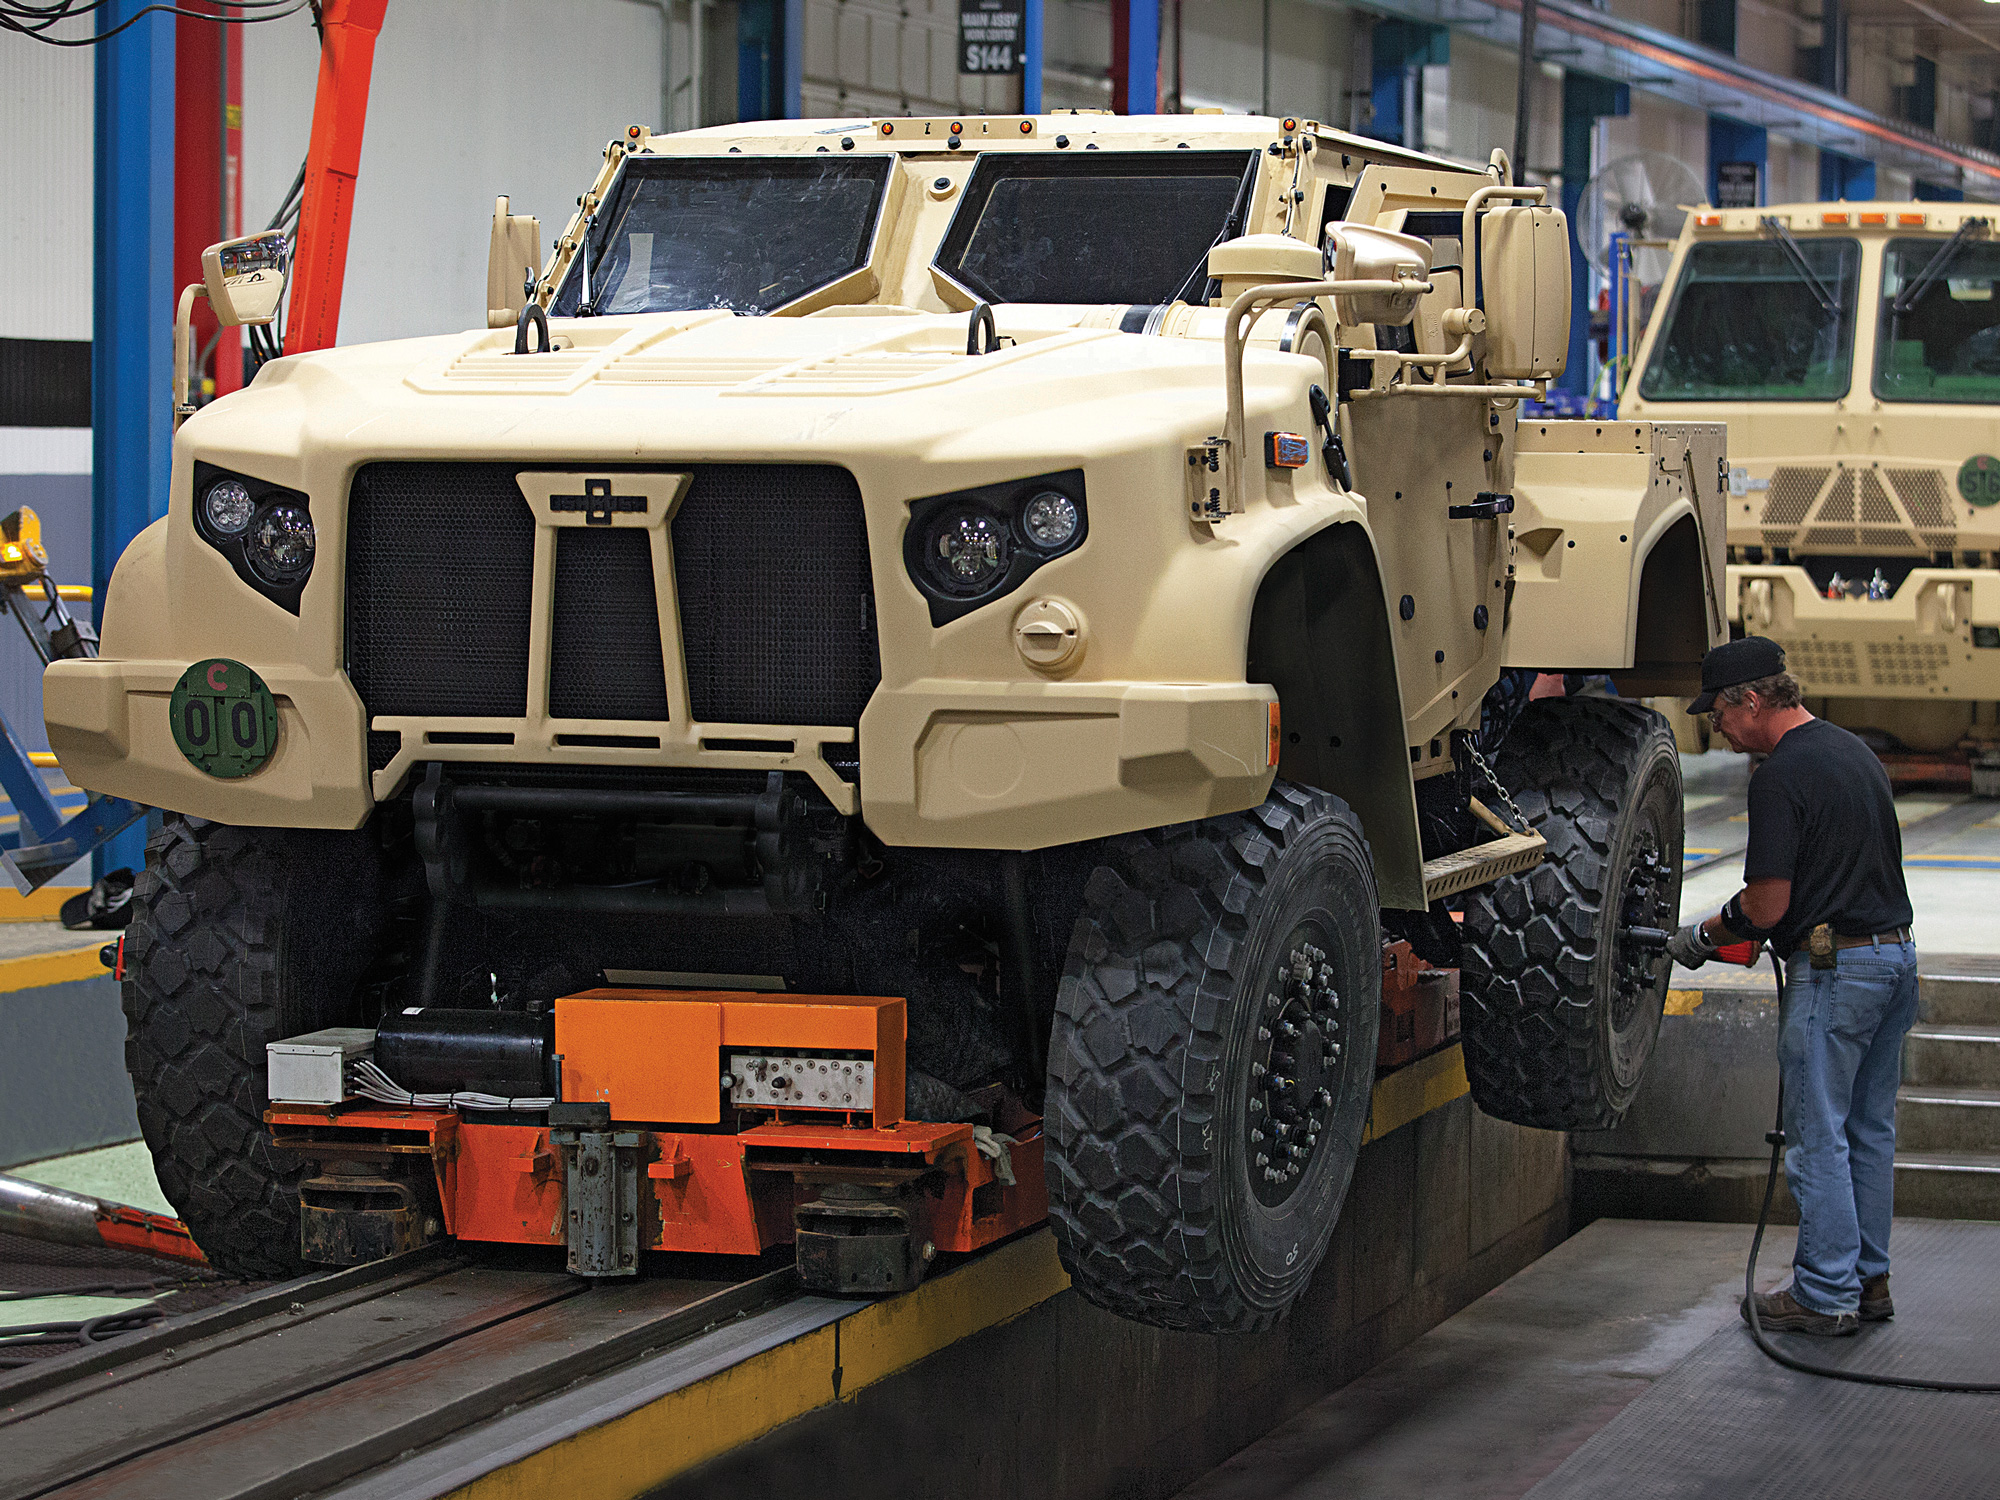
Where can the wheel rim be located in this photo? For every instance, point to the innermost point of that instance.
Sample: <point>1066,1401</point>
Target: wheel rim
<point>1647,900</point>
<point>1294,1067</point>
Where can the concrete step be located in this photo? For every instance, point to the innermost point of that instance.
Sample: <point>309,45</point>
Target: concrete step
<point>1948,1184</point>
<point>1930,1117</point>
<point>1952,1054</point>
<point>1957,999</point>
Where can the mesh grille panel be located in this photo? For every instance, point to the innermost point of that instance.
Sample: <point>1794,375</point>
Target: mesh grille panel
<point>1791,495</point>
<point>1839,502</point>
<point>1821,665</point>
<point>1923,495</point>
<point>777,606</point>
<point>1876,506</point>
<point>604,643</point>
<point>440,564</point>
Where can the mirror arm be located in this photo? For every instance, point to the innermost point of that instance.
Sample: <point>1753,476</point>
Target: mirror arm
<point>183,392</point>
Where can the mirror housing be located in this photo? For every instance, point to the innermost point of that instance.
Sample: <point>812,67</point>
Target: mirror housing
<point>244,278</point>
<point>1524,281</point>
<point>1361,252</point>
<point>516,248</point>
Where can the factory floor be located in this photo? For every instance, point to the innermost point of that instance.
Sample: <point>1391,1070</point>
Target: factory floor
<point>1617,1366</point>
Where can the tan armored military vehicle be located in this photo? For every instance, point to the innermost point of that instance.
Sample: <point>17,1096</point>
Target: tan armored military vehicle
<point>1080,574</point>
<point>1854,351</point>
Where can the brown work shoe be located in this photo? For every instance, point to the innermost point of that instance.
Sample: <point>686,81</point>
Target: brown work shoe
<point>1778,1313</point>
<point>1876,1306</point>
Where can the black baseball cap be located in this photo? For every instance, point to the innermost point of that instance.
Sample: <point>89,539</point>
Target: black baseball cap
<point>1734,662</point>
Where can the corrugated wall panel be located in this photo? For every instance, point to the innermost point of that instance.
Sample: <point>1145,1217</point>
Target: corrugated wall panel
<point>46,95</point>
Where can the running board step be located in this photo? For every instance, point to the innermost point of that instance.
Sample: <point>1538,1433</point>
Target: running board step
<point>1463,869</point>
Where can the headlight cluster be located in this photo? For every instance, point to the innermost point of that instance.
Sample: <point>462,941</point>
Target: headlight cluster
<point>265,530</point>
<point>969,547</point>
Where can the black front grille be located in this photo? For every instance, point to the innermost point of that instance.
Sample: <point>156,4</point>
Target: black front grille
<point>604,643</point>
<point>770,562</point>
<point>777,604</point>
<point>440,570</point>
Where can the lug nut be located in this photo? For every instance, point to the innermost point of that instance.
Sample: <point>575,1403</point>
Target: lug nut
<point>1263,1160</point>
<point>1263,1033</point>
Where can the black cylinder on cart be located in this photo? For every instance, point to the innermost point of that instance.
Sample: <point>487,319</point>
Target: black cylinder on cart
<point>431,1050</point>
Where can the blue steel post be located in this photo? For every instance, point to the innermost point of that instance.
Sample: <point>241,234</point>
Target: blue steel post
<point>1031,58</point>
<point>1142,87</point>
<point>1585,101</point>
<point>795,59</point>
<point>131,353</point>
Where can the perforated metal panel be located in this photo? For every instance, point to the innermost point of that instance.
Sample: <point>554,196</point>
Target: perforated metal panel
<point>1822,665</point>
<point>777,604</point>
<point>1922,492</point>
<point>605,660</point>
<point>440,566</point>
<point>1876,506</point>
<point>1791,495</point>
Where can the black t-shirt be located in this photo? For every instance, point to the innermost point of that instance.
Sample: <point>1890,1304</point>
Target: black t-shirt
<point>1822,816</point>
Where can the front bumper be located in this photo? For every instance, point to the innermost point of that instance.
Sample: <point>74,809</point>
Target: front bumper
<point>993,765</point>
<point>1937,637</point>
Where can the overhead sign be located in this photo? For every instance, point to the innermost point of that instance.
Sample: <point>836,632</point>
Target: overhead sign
<point>1736,184</point>
<point>989,35</point>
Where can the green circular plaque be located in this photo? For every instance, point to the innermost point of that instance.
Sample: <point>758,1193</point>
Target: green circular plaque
<point>224,718</point>
<point>1979,479</point>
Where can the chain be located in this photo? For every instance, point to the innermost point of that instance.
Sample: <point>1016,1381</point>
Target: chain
<point>1514,814</point>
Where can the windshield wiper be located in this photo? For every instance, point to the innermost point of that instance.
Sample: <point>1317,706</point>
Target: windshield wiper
<point>1935,267</point>
<point>1825,298</point>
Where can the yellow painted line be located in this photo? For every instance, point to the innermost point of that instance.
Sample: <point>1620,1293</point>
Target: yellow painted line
<point>44,905</point>
<point>38,969</point>
<point>1682,1002</point>
<point>1428,1083</point>
<point>645,1448</point>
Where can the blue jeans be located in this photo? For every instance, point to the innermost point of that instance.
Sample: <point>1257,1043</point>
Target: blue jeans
<point>1840,1055</point>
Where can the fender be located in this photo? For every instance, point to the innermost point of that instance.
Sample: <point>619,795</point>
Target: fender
<point>1319,634</point>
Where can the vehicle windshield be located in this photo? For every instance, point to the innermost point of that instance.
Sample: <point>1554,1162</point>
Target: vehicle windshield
<point>1946,345</point>
<point>1749,324</point>
<point>1133,227</point>
<point>749,234</point>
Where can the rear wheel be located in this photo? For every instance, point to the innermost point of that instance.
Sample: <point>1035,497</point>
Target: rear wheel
<point>239,937</point>
<point>1211,1064</point>
<point>1561,1007</point>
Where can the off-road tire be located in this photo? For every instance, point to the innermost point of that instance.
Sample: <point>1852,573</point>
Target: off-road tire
<point>1560,1013</point>
<point>1185,932</point>
<point>239,937</point>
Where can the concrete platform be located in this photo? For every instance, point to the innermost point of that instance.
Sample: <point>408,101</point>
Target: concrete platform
<point>1618,1366</point>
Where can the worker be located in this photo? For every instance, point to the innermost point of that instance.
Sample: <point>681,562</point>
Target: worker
<point>1824,887</point>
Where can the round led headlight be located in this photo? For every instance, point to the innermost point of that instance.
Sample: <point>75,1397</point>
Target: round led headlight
<point>227,507</point>
<point>279,548</point>
<point>1050,519</point>
<point>969,552</point>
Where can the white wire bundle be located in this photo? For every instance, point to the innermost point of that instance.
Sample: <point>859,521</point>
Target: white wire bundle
<point>370,1082</point>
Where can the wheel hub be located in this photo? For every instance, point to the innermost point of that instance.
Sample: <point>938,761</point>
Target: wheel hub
<point>1646,902</point>
<point>1294,1065</point>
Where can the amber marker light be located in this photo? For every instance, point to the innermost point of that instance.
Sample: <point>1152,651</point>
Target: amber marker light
<point>1833,219</point>
<point>1913,221</point>
<point>1271,738</point>
<point>1708,221</point>
<point>887,128</point>
<point>1874,221</point>
<point>957,128</point>
<point>1027,126</point>
<point>1286,450</point>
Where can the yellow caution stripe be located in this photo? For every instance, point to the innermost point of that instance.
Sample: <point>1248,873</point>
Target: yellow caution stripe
<point>38,969</point>
<point>644,1448</point>
<point>44,905</point>
<point>1428,1083</point>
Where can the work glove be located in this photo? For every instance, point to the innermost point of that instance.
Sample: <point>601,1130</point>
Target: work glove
<point>1690,947</point>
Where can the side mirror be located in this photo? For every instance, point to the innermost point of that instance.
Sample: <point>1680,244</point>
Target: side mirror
<point>1524,275</point>
<point>1361,252</point>
<point>245,277</point>
<point>516,248</point>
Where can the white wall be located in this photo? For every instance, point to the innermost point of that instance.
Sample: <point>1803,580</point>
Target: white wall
<point>46,98</point>
<point>469,98</point>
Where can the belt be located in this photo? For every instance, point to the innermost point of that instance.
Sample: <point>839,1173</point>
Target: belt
<point>1900,935</point>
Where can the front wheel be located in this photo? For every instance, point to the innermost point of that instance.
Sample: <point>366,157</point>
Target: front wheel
<point>239,937</point>
<point>1212,1060</point>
